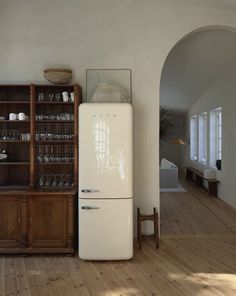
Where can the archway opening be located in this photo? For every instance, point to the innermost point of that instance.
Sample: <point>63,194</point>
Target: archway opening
<point>197,119</point>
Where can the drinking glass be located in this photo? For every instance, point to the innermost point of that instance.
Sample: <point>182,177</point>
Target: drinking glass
<point>58,132</point>
<point>71,156</point>
<point>41,181</point>
<point>58,97</point>
<point>51,154</point>
<point>42,133</point>
<point>40,97</point>
<point>66,157</point>
<point>49,133</point>
<point>46,156</point>
<point>47,180</point>
<point>61,181</point>
<point>37,135</point>
<point>67,181</point>
<point>54,180</point>
<point>51,97</point>
<point>40,154</point>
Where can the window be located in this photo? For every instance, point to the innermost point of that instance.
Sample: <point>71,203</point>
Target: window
<point>219,133</point>
<point>202,138</point>
<point>193,137</point>
<point>215,136</point>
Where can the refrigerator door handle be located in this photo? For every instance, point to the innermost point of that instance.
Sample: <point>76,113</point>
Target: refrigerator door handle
<point>90,207</point>
<point>89,190</point>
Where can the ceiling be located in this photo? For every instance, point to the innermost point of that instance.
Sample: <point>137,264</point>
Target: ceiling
<point>193,65</point>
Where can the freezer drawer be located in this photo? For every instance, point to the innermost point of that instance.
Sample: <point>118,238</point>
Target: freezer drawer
<point>106,229</point>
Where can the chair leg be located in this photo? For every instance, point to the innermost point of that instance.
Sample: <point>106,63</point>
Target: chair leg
<point>139,228</point>
<point>156,228</point>
<point>155,220</point>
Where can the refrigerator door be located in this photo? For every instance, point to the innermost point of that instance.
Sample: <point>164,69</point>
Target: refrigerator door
<point>105,151</point>
<point>106,229</point>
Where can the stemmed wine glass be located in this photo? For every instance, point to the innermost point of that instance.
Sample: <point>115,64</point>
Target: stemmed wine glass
<point>41,181</point>
<point>54,182</point>
<point>40,154</point>
<point>61,181</point>
<point>46,155</point>
<point>47,181</point>
<point>67,181</point>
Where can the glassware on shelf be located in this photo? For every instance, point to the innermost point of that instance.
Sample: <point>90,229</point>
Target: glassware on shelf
<point>65,157</point>
<point>4,156</point>
<point>41,181</point>
<point>68,181</point>
<point>40,154</point>
<point>55,154</point>
<point>41,97</point>
<point>56,181</point>
<point>61,181</point>
<point>48,181</point>
<point>25,137</point>
<point>13,135</point>
<point>48,132</point>
<point>46,157</point>
<point>51,154</point>
<point>50,97</point>
<point>59,117</point>
<point>58,97</point>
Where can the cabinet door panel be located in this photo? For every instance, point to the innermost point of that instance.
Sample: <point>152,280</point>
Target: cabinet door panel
<point>47,221</point>
<point>10,219</point>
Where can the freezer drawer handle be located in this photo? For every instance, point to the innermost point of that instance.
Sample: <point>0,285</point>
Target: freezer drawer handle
<point>90,208</point>
<point>89,190</point>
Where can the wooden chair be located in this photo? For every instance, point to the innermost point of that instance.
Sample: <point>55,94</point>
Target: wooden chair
<point>140,219</point>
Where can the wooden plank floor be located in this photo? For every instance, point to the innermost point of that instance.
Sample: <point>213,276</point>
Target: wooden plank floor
<point>197,259</point>
<point>195,213</point>
<point>182,267</point>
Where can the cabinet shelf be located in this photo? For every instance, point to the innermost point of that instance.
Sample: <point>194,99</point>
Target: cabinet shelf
<point>15,163</point>
<point>54,163</point>
<point>15,102</point>
<point>55,142</point>
<point>13,141</point>
<point>54,121</point>
<point>14,121</point>
<point>55,103</point>
<point>14,188</point>
<point>55,188</point>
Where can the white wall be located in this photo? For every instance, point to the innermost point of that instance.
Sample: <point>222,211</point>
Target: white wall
<point>222,94</point>
<point>79,34</point>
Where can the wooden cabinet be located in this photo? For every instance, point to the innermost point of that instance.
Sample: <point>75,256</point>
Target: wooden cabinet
<point>10,221</point>
<point>38,167</point>
<point>48,221</point>
<point>31,223</point>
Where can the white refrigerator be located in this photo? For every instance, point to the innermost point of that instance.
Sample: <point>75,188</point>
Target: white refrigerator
<point>105,181</point>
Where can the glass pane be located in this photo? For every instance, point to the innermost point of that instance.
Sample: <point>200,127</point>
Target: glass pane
<point>220,117</point>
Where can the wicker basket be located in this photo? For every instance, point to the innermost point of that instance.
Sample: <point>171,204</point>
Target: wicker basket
<point>58,76</point>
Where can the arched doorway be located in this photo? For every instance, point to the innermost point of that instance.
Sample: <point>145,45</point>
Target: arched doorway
<point>195,83</point>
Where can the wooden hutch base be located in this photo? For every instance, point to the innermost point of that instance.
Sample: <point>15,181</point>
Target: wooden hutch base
<point>39,181</point>
<point>37,222</point>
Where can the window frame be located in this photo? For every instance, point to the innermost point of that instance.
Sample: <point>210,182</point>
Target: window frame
<point>216,136</point>
<point>194,138</point>
<point>202,138</point>
<point>218,133</point>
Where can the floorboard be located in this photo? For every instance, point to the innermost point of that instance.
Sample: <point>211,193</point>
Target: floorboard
<point>195,213</point>
<point>197,257</point>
